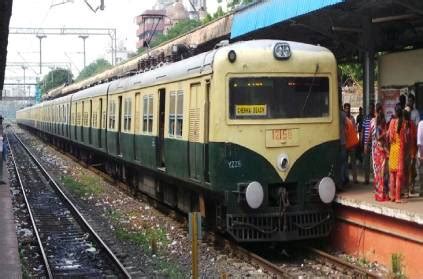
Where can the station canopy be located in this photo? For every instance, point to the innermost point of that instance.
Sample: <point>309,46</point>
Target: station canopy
<point>347,27</point>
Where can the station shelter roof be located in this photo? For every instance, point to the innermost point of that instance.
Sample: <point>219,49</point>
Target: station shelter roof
<point>347,27</point>
<point>266,13</point>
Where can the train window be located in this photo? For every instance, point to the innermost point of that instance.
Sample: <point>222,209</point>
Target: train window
<point>179,113</point>
<point>172,107</point>
<point>85,119</point>
<point>94,120</point>
<point>147,123</point>
<point>127,114</point>
<point>104,119</point>
<point>176,116</point>
<point>112,114</point>
<point>278,97</point>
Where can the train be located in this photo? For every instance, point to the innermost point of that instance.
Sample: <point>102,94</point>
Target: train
<point>247,134</point>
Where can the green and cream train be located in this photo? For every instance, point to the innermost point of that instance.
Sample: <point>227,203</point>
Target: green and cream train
<point>247,134</point>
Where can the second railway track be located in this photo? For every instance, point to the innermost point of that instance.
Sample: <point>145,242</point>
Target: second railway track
<point>68,244</point>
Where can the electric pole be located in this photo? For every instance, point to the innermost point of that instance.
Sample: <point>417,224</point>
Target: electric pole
<point>84,37</point>
<point>41,37</point>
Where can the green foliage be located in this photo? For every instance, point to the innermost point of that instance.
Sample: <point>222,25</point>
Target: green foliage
<point>54,79</point>
<point>180,28</point>
<point>94,68</point>
<point>352,71</point>
<point>232,4</point>
<point>87,185</point>
<point>397,266</point>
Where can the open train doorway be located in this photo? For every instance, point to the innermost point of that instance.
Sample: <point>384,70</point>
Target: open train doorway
<point>119,126</point>
<point>160,143</point>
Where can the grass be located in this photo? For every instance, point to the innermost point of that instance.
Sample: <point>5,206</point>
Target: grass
<point>397,266</point>
<point>152,239</point>
<point>87,185</point>
<point>24,266</point>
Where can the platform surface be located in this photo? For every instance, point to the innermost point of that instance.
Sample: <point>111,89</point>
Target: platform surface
<point>362,196</point>
<point>10,264</point>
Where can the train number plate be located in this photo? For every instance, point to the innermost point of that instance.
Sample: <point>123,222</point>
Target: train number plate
<point>281,137</point>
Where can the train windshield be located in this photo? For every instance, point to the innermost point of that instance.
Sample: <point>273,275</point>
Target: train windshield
<point>278,97</point>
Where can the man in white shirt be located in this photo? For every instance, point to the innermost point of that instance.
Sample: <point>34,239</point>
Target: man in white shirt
<point>414,113</point>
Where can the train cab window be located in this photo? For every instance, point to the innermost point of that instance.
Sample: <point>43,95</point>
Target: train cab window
<point>176,116</point>
<point>278,97</point>
<point>147,123</point>
<point>127,114</point>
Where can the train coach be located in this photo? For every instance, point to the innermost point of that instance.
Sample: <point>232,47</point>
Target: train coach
<point>247,134</point>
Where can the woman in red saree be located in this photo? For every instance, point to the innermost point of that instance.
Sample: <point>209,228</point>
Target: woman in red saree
<point>397,135</point>
<point>379,152</point>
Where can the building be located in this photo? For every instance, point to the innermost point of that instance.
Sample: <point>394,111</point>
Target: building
<point>157,21</point>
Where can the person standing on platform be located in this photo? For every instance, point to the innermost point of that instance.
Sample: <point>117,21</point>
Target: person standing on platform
<point>367,142</point>
<point>2,144</point>
<point>343,155</point>
<point>420,154</point>
<point>410,154</point>
<point>351,140</point>
<point>377,138</point>
<point>398,141</point>
<point>414,113</point>
<point>359,121</point>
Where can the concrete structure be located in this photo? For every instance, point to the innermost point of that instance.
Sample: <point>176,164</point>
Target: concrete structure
<point>10,264</point>
<point>152,23</point>
<point>5,13</point>
<point>401,69</point>
<point>375,231</point>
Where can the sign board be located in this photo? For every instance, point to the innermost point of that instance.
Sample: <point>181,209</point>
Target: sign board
<point>390,97</point>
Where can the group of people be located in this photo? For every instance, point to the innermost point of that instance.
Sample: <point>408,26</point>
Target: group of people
<point>392,147</point>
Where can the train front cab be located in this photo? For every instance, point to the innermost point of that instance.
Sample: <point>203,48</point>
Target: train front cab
<point>274,144</point>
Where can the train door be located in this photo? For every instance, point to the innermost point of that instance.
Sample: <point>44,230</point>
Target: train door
<point>90,124</point>
<point>119,127</point>
<point>75,123</point>
<point>100,119</point>
<point>82,121</point>
<point>160,143</point>
<point>206,132</point>
<point>137,125</point>
<point>194,132</point>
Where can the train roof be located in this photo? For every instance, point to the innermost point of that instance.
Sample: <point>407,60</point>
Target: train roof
<point>195,65</point>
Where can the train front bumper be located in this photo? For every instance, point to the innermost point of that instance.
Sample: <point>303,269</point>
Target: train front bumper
<point>289,226</point>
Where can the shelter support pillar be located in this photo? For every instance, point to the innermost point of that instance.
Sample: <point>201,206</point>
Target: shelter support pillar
<point>368,79</point>
<point>368,65</point>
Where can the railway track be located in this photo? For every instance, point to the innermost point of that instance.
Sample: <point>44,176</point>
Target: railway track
<point>68,244</point>
<point>267,264</point>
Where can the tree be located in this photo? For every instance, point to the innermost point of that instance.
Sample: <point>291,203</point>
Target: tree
<point>94,68</point>
<point>54,79</point>
<point>233,4</point>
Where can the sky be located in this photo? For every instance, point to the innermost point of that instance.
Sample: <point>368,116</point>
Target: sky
<point>119,14</point>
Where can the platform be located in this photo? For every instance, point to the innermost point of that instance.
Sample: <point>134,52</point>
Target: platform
<point>10,264</point>
<point>379,231</point>
<point>362,196</point>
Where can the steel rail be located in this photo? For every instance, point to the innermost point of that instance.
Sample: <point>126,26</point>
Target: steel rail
<point>34,226</point>
<point>248,256</point>
<point>338,261</point>
<point>76,211</point>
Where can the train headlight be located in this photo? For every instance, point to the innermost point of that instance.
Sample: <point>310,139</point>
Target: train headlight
<point>254,194</point>
<point>282,51</point>
<point>326,189</point>
<point>232,56</point>
<point>283,162</point>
